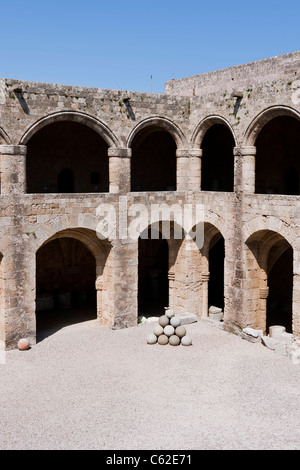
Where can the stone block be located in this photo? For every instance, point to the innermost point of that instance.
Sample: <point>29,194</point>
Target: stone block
<point>252,335</point>
<point>186,318</point>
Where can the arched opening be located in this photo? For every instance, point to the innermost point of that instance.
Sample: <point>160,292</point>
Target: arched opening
<point>65,285</point>
<point>280,282</point>
<point>153,265</point>
<point>269,284</point>
<point>277,166</point>
<point>67,156</point>
<point>218,159</point>
<point>153,161</point>
<point>216,270</point>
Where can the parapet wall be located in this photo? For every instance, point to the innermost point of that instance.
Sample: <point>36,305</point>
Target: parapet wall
<point>254,73</point>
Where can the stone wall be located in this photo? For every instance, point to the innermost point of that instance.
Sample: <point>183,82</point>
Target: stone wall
<point>256,228</point>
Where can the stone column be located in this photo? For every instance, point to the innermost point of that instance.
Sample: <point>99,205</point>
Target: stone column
<point>13,169</point>
<point>195,169</point>
<point>188,169</point>
<point>205,280</point>
<point>244,169</point>
<point>119,170</point>
<point>262,318</point>
<point>182,169</point>
<point>171,278</point>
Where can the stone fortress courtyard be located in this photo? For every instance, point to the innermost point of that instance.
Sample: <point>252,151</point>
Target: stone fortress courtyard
<point>226,141</point>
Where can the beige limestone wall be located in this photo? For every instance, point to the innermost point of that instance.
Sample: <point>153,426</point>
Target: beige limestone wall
<point>29,220</point>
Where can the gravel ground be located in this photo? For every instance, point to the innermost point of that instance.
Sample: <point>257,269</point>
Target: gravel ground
<point>86,387</point>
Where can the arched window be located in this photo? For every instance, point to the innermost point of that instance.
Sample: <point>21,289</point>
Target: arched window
<point>217,159</point>
<point>67,156</point>
<point>65,181</point>
<point>277,165</point>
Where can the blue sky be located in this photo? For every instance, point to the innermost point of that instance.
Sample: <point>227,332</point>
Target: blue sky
<point>120,44</point>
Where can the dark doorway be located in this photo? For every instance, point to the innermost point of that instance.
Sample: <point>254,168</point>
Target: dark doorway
<point>65,181</point>
<point>280,281</point>
<point>153,161</point>
<point>65,285</point>
<point>277,166</point>
<point>217,172</point>
<point>216,278</point>
<point>62,156</point>
<point>153,284</point>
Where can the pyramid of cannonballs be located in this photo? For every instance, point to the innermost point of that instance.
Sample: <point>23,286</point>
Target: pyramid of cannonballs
<point>169,330</point>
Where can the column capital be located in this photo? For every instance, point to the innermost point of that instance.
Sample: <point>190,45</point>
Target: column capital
<point>119,152</point>
<point>244,151</point>
<point>186,153</point>
<point>13,149</point>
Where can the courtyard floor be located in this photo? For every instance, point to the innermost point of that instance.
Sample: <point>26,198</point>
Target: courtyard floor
<point>87,387</point>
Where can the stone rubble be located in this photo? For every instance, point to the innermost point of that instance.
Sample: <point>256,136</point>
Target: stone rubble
<point>278,340</point>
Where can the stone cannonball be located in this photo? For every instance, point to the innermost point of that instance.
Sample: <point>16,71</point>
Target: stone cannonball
<point>186,341</point>
<point>174,340</point>
<point>169,313</point>
<point>163,339</point>
<point>169,330</point>
<point>163,321</point>
<point>23,344</point>
<point>151,339</point>
<point>158,330</point>
<point>175,321</point>
<point>180,331</point>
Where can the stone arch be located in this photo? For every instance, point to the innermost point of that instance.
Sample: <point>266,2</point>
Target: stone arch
<point>158,122</point>
<point>216,139</point>
<point>154,143</point>
<point>268,293</point>
<point>68,140</point>
<point>263,118</point>
<point>102,267</point>
<point>203,126</point>
<point>168,243</point>
<point>98,126</point>
<point>2,306</point>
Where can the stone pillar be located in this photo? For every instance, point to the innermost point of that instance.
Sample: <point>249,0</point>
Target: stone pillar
<point>262,318</point>
<point>171,277</point>
<point>125,280</point>
<point>119,170</point>
<point>195,169</point>
<point>244,169</point>
<point>182,169</point>
<point>188,169</point>
<point>205,280</point>
<point>13,169</point>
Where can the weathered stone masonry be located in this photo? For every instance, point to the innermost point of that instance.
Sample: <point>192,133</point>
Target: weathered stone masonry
<point>234,132</point>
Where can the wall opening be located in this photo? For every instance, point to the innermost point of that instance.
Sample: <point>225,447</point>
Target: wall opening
<point>153,161</point>
<point>153,284</point>
<point>277,166</point>
<point>62,156</point>
<point>2,318</point>
<point>65,285</point>
<point>216,270</point>
<point>268,287</point>
<point>65,181</point>
<point>218,159</point>
<point>280,282</point>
